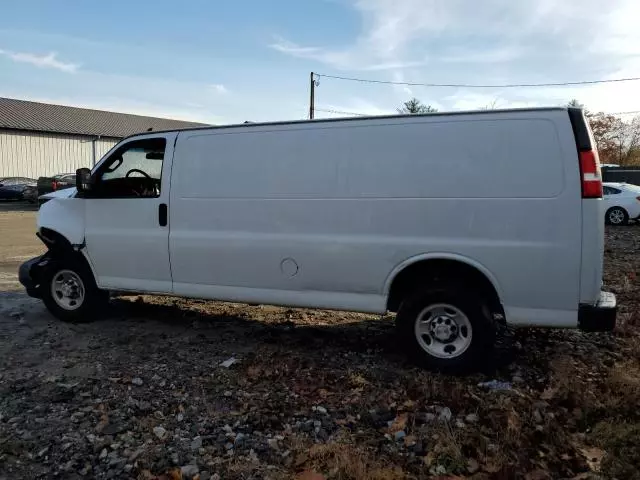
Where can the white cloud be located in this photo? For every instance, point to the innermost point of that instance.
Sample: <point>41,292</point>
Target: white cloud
<point>219,88</point>
<point>338,59</point>
<point>49,60</point>
<point>455,41</point>
<point>490,55</point>
<point>282,45</point>
<point>396,35</point>
<point>342,59</point>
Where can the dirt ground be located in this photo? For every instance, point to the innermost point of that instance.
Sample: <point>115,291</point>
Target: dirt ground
<point>164,388</point>
<point>17,241</point>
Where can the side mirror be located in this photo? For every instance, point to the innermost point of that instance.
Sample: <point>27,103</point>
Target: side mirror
<point>83,179</point>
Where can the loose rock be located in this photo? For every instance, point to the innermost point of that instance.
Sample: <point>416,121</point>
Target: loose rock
<point>189,471</point>
<point>472,418</point>
<point>445,414</point>
<point>160,432</point>
<point>196,443</point>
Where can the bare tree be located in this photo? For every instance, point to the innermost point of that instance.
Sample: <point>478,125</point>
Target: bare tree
<point>629,142</point>
<point>415,106</point>
<point>618,141</point>
<point>491,106</point>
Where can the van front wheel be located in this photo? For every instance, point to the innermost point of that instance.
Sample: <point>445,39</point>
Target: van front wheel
<point>446,329</point>
<point>70,292</point>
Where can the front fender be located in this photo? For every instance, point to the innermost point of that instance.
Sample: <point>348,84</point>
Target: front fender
<point>65,216</point>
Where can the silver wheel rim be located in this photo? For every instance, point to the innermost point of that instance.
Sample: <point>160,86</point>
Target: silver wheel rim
<point>443,331</point>
<point>616,216</point>
<point>67,290</point>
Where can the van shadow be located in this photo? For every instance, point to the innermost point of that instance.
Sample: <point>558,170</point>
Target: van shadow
<point>17,206</point>
<point>247,328</point>
<point>285,326</point>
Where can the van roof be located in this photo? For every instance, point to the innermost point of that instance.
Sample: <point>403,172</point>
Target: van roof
<point>373,117</point>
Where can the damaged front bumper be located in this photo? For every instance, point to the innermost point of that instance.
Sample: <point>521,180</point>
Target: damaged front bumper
<point>600,317</point>
<point>30,274</point>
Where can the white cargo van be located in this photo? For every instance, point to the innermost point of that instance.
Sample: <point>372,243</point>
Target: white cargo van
<point>454,221</point>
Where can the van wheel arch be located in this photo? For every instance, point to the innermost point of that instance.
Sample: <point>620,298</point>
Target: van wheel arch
<point>60,247</point>
<point>54,240</point>
<point>435,271</point>
<point>70,269</point>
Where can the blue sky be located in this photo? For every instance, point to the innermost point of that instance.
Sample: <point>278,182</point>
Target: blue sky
<point>228,61</point>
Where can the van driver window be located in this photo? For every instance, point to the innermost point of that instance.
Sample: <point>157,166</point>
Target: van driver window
<point>133,171</point>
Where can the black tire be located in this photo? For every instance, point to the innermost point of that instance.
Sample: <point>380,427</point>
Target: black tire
<point>481,335</point>
<point>92,300</point>
<point>617,216</point>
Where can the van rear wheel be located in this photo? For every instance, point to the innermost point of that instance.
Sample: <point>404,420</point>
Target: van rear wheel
<point>446,329</point>
<point>69,291</point>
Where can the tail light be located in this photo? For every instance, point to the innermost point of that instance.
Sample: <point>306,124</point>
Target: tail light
<point>591,177</point>
<point>54,185</point>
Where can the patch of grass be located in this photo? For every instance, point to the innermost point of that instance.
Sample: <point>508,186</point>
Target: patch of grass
<point>627,323</point>
<point>569,386</point>
<point>445,448</point>
<point>614,419</point>
<point>357,380</point>
<point>342,460</point>
<point>348,462</point>
<point>618,396</point>
<point>621,441</point>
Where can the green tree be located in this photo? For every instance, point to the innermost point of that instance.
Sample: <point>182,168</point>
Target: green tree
<point>574,103</point>
<point>415,106</point>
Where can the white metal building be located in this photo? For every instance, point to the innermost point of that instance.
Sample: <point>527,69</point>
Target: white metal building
<point>39,139</point>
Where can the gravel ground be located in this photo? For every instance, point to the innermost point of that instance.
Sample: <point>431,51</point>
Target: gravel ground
<point>165,388</point>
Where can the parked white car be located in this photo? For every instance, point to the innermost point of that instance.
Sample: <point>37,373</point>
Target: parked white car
<point>621,202</point>
<point>453,220</point>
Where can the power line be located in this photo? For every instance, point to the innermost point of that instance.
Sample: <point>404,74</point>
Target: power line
<point>633,112</point>
<point>468,85</point>
<point>341,112</point>
<point>357,114</point>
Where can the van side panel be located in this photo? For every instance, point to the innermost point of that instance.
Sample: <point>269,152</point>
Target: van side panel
<point>326,212</point>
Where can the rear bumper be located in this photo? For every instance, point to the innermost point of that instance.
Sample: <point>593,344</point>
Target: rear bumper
<point>30,272</point>
<point>600,317</point>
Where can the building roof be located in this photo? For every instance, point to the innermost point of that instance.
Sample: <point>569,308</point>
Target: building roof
<point>44,117</point>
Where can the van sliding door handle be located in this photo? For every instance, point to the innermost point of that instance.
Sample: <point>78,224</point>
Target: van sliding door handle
<point>162,214</point>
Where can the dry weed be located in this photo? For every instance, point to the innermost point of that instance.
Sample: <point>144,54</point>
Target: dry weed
<point>345,461</point>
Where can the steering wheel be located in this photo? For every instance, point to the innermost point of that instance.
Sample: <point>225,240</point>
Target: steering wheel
<point>137,170</point>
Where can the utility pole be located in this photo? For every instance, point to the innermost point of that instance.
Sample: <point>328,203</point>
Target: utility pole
<point>312,93</point>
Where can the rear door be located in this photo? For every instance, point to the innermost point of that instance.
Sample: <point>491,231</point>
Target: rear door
<point>126,226</point>
<point>593,211</point>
